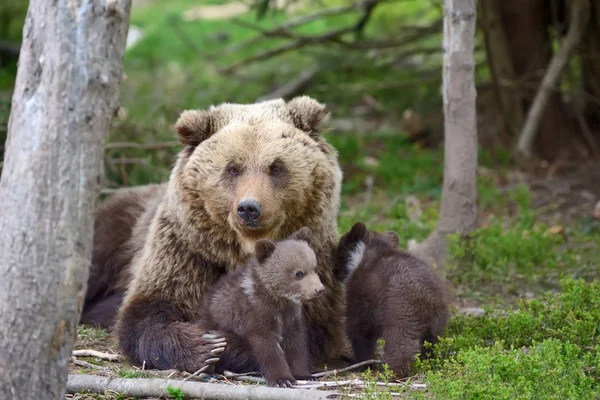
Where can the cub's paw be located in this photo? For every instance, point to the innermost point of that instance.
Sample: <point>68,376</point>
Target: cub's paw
<point>283,383</point>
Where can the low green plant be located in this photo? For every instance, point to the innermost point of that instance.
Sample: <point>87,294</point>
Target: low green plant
<point>547,348</point>
<point>128,373</point>
<point>551,369</point>
<point>175,393</point>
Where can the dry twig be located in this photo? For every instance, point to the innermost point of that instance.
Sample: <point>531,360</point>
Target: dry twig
<point>96,354</point>
<point>346,369</point>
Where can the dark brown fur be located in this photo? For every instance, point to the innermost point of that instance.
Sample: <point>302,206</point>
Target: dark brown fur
<point>260,304</point>
<point>390,294</point>
<point>163,247</point>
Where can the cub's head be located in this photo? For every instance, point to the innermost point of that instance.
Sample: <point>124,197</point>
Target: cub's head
<point>258,167</point>
<point>288,268</point>
<point>355,245</point>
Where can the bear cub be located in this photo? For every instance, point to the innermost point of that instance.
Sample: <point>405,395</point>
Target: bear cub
<point>390,294</point>
<point>260,303</point>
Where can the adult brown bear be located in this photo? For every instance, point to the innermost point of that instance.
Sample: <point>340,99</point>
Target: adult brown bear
<point>247,172</point>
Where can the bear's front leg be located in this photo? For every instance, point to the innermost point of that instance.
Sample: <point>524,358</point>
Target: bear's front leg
<point>271,359</point>
<point>156,332</point>
<point>295,345</point>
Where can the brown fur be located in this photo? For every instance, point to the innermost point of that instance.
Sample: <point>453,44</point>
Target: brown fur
<point>188,232</point>
<point>390,294</point>
<point>260,303</point>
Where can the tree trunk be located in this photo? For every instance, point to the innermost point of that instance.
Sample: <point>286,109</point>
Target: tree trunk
<point>66,92</point>
<point>458,210</point>
<point>526,23</point>
<point>503,72</point>
<point>578,21</point>
<point>590,66</point>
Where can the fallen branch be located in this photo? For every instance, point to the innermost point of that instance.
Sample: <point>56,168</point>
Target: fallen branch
<point>346,369</point>
<point>156,387</point>
<point>577,23</point>
<point>96,354</point>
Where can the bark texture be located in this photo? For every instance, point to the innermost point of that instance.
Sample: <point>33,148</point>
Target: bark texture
<point>66,92</point>
<point>458,209</point>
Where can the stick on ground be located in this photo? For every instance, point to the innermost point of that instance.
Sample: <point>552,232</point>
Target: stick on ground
<point>95,353</point>
<point>156,387</point>
<point>346,369</point>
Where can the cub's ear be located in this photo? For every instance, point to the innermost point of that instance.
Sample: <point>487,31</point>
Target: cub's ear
<point>392,237</point>
<point>307,114</point>
<point>358,231</point>
<point>195,126</point>
<point>301,234</point>
<point>263,249</point>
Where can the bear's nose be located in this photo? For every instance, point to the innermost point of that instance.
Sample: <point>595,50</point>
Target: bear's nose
<point>320,291</point>
<point>249,210</point>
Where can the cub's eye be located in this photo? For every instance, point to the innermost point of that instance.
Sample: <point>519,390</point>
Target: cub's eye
<point>233,170</point>
<point>299,274</point>
<point>275,168</point>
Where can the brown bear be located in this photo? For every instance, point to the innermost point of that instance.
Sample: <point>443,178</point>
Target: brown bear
<point>261,303</point>
<point>390,294</point>
<point>247,172</point>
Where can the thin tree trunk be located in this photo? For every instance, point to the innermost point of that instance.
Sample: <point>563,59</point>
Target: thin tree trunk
<point>578,21</point>
<point>458,210</point>
<point>526,24</point>
<point>66,93</point>
<point>503,72</point>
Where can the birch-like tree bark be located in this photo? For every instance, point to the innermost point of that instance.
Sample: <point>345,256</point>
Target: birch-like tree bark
<point>458,209</point>
<point>66,92</point>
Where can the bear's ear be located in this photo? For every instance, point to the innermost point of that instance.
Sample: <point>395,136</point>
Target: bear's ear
<point>301,234</point>
<point>263,249</point>
<point>393,238</point>
<point>195,126</point>
<point>358,231</point>
<point>307,114</point>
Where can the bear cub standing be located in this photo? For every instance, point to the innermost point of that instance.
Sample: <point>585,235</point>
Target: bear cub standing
<point>390,294</point>
<point>261,304</point>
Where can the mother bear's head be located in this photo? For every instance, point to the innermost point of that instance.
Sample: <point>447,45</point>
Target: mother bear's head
<point>262,170</point>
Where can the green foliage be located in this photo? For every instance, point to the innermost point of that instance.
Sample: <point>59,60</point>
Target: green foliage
<point>373,390</point>
<point>128,373</point>
<point>175,393</point>
<point>548,370</point>
<point>547,348</point>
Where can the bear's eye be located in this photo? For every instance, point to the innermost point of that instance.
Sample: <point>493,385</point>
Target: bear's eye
<point>299,274</point>
<point>233,170</point>
<point>275,168</point>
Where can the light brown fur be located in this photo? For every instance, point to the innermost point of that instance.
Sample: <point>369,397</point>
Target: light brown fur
<point>194,235</point>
